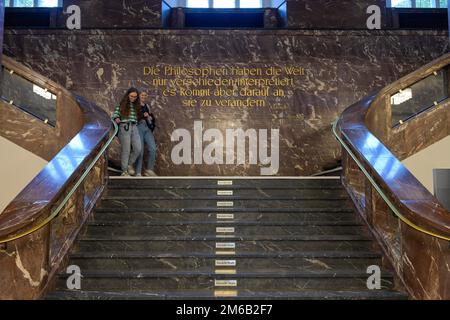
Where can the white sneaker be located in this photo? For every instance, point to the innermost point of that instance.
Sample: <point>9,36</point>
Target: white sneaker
<point>124,174</point>
<point>131,170</point>
<point>150,173</point>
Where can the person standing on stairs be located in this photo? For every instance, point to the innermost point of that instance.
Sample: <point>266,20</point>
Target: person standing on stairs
<point>146,126</point>
<point>125,115</point>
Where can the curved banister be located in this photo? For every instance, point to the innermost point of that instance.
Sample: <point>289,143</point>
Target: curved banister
<point>360,130</point>
<point>29,209</point>
<point>39,226</point>
<point>439,224</point>
<point>415,244</point>
<point>56,212</point>
<point>32,202</point>
<point>421,210</point>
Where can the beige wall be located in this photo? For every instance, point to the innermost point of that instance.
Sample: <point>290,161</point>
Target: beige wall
<point>421,165</point>
<point>17,168</point>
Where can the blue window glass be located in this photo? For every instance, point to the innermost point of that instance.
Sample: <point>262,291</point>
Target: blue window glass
<point>48,3</point>
<point>197,3</point>
<point>425,4</point>
<point>32,3</point>
<point>401,3</point>
<point>224,4</point>
<point>250,3</point>
<point>418,3</point>
<point>23,3</point>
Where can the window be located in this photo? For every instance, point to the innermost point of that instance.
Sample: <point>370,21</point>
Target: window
<point>419,14</point>
<point>224,14</point>
<point>33,3</point>
<point>417,3</point>
<point>224,4</point>
<point>197,3</point>
<point>250,4</point>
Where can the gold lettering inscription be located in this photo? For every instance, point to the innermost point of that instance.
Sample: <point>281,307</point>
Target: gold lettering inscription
<point>229,86</point>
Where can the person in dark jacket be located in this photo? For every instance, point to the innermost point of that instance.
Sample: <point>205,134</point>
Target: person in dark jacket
<point>146,126</point>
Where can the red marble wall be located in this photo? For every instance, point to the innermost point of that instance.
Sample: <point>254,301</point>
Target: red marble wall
<point>341,67</point>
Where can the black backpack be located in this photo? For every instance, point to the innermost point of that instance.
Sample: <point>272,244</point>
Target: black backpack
<point>151,124</point>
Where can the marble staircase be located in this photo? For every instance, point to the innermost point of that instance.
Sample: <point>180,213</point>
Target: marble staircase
<point>220,238</point>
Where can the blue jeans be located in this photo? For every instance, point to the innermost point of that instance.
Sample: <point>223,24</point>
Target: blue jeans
<point>130,143</point>
<point>147,139</point>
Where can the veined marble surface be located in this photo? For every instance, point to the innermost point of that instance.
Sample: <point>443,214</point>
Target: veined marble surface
<point>341,67</point>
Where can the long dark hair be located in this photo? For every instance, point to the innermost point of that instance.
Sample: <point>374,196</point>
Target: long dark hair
<point>125,104</point>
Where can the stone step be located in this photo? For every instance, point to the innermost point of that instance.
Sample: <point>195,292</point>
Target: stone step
<point>225,193</point>
<point>222,223</point>
<point>269,273</point>
<point>222,230</point>
<point>212,246</point>
<point>167,218</point>
<point>227,210</point>
<point>267,239</point>
<point>171,262</point>
<point>263,237</point>
<point>219,204</point>
<point>338,294</point>
<point>280,254</point>
<point>157,183</point>
<point>251,281</point>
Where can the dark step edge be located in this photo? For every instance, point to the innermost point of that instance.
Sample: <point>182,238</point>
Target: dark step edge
<point>140,186</point>
<point>224,209</point>
<point>219,223</point>
<point>234,238</point>
<point>225,198</point>
<point>109,199</point>
<point>239,275</point>
<point>212,255</point>
<point>197,294</point>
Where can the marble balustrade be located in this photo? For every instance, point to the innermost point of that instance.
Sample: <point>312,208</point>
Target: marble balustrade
<point>29,263</point>
<point>421,260</point>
